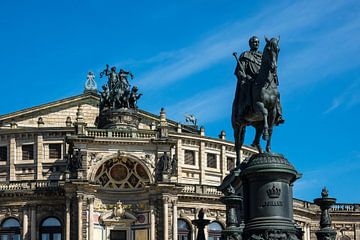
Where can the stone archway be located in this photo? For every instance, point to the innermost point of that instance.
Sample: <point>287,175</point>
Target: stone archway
<point>122,172</point>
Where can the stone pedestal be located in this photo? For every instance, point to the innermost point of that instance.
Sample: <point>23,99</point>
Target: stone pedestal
<point>326,232</point>
<point>268,200</point>
<point>122,118</point>
<point>233,230</point>
<point>201,223</point>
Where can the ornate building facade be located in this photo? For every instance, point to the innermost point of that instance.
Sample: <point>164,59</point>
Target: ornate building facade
<point>63,177</point>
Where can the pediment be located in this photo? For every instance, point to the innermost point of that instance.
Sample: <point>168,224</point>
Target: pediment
<point>55,114</point>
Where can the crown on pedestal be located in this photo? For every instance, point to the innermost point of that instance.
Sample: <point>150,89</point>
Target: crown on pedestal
<point>273,192</point>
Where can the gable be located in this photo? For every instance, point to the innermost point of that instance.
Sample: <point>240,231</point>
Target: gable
<point>55,114</point>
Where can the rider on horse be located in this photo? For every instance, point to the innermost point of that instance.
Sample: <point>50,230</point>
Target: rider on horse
<point>246,72</point>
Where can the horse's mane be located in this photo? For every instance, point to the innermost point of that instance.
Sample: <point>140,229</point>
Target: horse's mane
<point>266,60</point>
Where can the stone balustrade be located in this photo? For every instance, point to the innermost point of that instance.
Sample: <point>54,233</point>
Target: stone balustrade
<point>201,189</point>
<point>345,207</point>
<point>122,134</point>
<point>29,185</point>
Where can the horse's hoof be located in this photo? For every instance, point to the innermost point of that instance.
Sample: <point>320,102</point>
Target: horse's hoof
<point>265,137</point>
<point>258,147</point>
<point>268,150</point>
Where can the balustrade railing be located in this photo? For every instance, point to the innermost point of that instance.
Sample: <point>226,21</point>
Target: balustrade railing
<point>345,207</point>
<point>201,189</point>
<point>105,133</point>
<point>29,185</point>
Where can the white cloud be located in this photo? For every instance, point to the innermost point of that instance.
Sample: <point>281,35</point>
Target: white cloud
<point>348,99</point>
<point>180,64</point>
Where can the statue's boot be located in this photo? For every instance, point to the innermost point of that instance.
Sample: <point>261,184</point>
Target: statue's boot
<point>279,120</point>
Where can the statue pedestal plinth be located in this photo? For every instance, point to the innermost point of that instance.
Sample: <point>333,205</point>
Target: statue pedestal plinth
<point>122,118</point>
<point>325,203</point>
<point>268,200</point>
<point>233,229</point>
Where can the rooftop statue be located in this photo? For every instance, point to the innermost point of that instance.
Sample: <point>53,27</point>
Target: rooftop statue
<point>116,93</point>
<point>257,99</point>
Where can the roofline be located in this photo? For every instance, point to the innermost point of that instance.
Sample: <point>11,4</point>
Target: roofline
<point>51,104</point>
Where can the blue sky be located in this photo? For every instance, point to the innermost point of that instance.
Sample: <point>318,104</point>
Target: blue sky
<point>181,55</point>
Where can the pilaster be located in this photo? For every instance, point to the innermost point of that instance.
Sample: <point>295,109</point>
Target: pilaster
<point>174,216</point>
<point>33,223</point>
<point>80,209</point>
<point>39,156</point>
<point>11,161</point>
<point>25,224</point>
<point>91,217</point>
<point>166,217</point>
<point>202,162</point>
<point>67,218</point>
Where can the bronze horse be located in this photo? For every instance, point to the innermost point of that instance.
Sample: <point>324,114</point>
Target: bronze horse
<point>264,94</point>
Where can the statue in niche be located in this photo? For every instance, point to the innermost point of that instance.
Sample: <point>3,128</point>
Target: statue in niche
<point>166,165</point>
<point>75,158</point>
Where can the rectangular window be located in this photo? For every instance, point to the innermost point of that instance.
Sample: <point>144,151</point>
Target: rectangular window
<point>211,160</point>
<point>141,234</point>
<point>55,151</point>
<point>3,153</point>
<point>230,163</point>
<point>117,235</point>
<point>189,157</point>
<point>27,152</point>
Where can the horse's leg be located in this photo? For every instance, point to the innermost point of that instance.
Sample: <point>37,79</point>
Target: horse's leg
<point>239,133</point>
<point>271,121</point>
<point>256,142</point>
<point>268,143</point>
<point>264,112</point>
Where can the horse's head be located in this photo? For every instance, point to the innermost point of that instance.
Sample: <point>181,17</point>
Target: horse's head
<point>271,52</point>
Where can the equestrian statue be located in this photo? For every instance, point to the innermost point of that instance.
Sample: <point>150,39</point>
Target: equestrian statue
<point>257,99</point>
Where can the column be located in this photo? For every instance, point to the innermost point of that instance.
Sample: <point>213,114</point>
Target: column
<point>25,225</point>
<point>11,162</point>
<point>357,231</point>
<point>179,157</point>
<point>166,218</point>
<point>80,209</point>
<point>202,162</point>
<point>175,232</point>
<point>33,223</point>
<point>223,164</point>
<point>91,217</point>
<point>39,156</point>
<point>67,219</point>
<point>152,222</point>
<point>308,226</point>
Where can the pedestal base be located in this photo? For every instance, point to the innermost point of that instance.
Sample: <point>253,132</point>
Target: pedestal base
<point>326,234</point>
<point>123,118</point>
<point>268,200</point>
<point>232,233</point>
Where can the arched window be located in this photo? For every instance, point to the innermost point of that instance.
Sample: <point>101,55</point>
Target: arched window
<point>184,230</point>
<point>122,173</point>
<point>51,229</point>
<point>10,229</point>
<point>214,230</point>
<point>344,237</point>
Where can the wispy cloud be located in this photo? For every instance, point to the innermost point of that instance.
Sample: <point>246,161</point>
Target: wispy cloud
<point>293,19</point>
<point>306,66</point>
<point>206,105</point>
<point>349,98</point>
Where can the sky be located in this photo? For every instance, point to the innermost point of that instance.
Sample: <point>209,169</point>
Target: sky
<point>181,55</point>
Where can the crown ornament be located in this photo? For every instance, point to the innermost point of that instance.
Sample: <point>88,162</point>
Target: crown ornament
<point>273,192</point>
